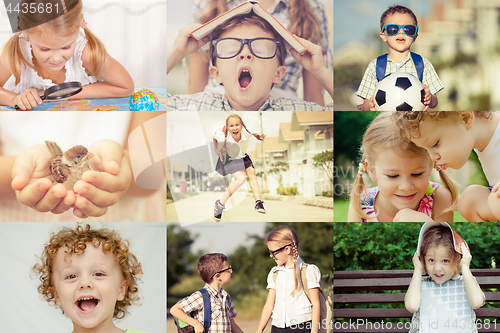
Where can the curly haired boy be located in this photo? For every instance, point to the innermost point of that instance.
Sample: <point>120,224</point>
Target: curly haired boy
<point>91,276</point>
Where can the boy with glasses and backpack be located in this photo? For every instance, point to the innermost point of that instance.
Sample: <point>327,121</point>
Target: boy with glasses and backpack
<point>215,271</point>
<point>399,29</point>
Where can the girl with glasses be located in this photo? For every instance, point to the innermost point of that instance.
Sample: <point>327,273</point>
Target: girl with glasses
<point>292,311</point>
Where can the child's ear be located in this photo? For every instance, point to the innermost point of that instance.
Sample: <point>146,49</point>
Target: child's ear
<point>280,72</point>
<point>468,119</point>
<point>372,172</point>
<point>122,291</point>
<point>214,71</point>
<point>53,291</point>
<point>383,36</point>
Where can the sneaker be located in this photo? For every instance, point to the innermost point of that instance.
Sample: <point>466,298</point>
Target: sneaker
<point>218,210</point>
<point>259,206</point>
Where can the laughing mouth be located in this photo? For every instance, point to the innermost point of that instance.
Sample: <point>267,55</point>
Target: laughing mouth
<point>244,79</point>
<point>87,304</point>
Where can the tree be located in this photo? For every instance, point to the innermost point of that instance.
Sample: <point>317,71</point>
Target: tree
<point>324,160</point>
<point>179,259</point>
<point>277,168</point>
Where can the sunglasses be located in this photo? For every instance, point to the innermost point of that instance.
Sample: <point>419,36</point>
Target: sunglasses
<point>227,269</point>
<point>273,253</point>
<point>410,30</point>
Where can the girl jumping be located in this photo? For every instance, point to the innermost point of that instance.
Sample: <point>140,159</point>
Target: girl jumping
<point>442,255</point>
<point>293,311</point>
<point>401,169</point>
<point>233,159</point>
<point>60,50</point>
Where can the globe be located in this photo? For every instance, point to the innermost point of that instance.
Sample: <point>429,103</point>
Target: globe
<point>144,100</point>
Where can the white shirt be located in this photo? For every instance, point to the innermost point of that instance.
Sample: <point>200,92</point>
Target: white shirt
<point>490,157</point>
<point>234,154</point>
<point>292,309</point>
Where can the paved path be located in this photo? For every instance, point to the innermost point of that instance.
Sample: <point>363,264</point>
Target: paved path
<point>200,209</point>
<point>247,326</point>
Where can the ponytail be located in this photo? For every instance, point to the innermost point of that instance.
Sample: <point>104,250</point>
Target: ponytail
<point>12,57</point>
<point>303,21</point>
<point>357,188</point>
<point>452,186</point>
<point>98,53</point>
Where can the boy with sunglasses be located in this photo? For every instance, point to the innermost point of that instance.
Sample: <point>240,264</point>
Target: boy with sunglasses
<point>248,59</point>
<point>214,270</point>
<point>399,30</point>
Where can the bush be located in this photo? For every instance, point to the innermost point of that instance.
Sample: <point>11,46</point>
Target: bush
<point>292,190</point>
<point>328,194</point>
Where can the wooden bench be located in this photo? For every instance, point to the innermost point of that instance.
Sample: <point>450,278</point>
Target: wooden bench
<point>346,282</point>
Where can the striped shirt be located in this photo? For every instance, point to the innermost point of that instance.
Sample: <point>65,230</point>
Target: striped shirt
<point>216,102</point>
<point>222,309</point>
<point>369,83</point>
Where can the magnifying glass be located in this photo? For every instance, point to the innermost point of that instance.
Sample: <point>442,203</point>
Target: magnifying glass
<point>60,91</point>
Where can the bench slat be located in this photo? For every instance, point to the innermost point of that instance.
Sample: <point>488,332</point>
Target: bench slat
<point>382,298</point>
<point>400,273</point>
<point>394,329</point>
<point>401,313</point>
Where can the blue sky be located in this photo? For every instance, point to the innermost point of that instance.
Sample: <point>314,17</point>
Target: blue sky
<point>357,19</point>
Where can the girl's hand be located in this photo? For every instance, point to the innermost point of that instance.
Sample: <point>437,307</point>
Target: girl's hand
<point>313,59</point>
<point>106,183</point>
<point>184,44</point>
<point>466,257</point>
<point>410,215</point>
<point>417,263</point>
<point>28,99</point>
<point>33,188</point>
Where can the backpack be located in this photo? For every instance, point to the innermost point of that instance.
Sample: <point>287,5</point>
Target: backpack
<point>182,327</point>
<point>325,301</point>
<point>418,62</point>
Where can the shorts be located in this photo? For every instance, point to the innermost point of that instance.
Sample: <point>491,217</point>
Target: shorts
<point>304,327</point>
<point>233,166</point>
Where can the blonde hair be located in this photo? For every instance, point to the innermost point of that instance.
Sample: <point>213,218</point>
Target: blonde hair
<point>76,240</point>
<point>284,235</point>
<point>383,134</point>
<point>65,25</point>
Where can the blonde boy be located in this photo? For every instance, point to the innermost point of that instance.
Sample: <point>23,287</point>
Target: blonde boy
<point>247,73</point>
<point>215,271</point>
<point>449,137</point>
<point>399,29</point>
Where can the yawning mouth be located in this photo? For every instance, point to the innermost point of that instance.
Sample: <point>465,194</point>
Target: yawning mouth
<point>87,304</point>
<point>245,78</point>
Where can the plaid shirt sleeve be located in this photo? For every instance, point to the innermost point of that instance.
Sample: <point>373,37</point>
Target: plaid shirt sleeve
<point>369,82</point>
<point>193,302</point>
<point>431,79</point>
<point>230,309</point>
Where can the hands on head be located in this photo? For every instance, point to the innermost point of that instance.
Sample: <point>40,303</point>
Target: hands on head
<point>100,188</point>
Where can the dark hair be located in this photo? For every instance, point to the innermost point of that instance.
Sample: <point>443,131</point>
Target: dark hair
<point>440,236</point>
<point>247,19</point>
<point>209,264</point>
<point>396,9</point>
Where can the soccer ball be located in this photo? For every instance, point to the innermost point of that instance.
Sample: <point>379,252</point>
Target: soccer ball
<point>399,92</point>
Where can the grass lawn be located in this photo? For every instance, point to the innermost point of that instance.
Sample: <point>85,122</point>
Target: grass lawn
<point>340,208</point>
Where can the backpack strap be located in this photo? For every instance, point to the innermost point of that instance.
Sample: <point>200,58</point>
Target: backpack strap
<point>303,278</point>
<point>381,66</point>
<point>207,309</point>
<point>275,275</point>
<point>419,65</point>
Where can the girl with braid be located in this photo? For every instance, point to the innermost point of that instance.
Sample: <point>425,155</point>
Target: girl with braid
<point>305,18</point>
<point>401,170</point>
<point>233,159</point>
<point>287,301</point>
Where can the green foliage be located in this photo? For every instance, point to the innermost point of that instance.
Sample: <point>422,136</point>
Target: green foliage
<point>180,260</point>
<point>366,246</point>
<point>278,168</point>
<point>324,160</point>
<point>291,190</point>
<point>327,194</point>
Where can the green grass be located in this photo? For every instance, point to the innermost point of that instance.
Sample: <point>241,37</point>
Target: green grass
<point>340,208</point>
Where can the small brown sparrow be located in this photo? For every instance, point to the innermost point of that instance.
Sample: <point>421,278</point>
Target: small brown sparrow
<point>68,167</point>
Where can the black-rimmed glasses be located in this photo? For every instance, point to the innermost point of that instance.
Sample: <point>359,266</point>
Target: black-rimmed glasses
<point>263,48</point>
<point>227,269</point>
<point>273,253</point>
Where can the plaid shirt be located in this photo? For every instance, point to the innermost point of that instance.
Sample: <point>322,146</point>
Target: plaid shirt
<point>280,11</point>
<point>215,102</point>
<point>369,83</point>
<point>222,309</point>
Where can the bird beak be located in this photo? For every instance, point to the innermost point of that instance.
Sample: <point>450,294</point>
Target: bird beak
<point>87,157</point>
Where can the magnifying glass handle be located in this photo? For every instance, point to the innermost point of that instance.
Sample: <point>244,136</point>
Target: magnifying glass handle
<point>43,97</point>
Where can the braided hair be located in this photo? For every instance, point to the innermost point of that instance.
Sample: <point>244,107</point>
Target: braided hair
<point>284,235</point>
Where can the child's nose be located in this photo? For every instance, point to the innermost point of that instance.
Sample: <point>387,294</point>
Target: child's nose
<point>405,184</point>
<point>245,53</point>
<point>85,283</point>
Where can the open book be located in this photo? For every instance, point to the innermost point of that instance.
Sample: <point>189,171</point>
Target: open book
<point>244,8</point>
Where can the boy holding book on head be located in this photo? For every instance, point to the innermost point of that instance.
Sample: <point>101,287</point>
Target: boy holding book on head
<point>215,271</point>
<point>399,29</point>
<point>247,56</point>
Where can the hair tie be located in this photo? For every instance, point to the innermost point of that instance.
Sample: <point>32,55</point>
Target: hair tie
<point>84,23</point>
<point>362,169</point>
